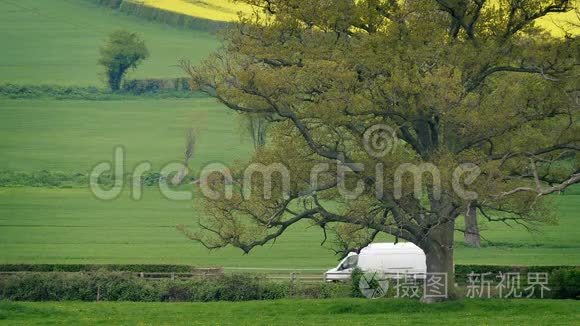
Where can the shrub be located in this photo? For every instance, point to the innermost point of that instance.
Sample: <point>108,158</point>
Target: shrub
<point>95,268</point>
<point>46,284</point>
<point>54,286</point>
<point>276,290</point>
<point>176,291</point>
<point>170,88</point>
<point>239,287</point>
<point>123,287</point>
<point>47,287</point>
<point>69,180</point>
<point>42,179</point>
<point>119,286</point>
<point>51,91</point>
<point>144,86</point>
<point>355,292</point>
<point>323,290</point>
<point>123,50</point>
<point>565,284</point>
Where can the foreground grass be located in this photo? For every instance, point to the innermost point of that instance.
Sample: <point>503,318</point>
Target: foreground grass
<point>285,312</point>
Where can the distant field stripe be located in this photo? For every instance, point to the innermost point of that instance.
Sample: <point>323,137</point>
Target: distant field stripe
<point>83,226</point>
<point>38,12</point>
<point>217,10</point>
<point>276,269</point>
<point>47,64</point>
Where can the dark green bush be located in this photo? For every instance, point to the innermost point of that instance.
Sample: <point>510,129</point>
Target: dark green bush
<point>73,287</point>
<point>565,284</point>
<point>68,180</point>
<point>119,283</point>
<point>123,287</point>
<point>276,290</point>
<point>119,286</point>
<point>172,88</point>
<point>51,91</point>
<point>95,268</point>
<point>239,287</point>
<point>42,179</point>
<point>355,292</point>
<point>176,291</point>
<point>323,290</point>
<point>147,86</point>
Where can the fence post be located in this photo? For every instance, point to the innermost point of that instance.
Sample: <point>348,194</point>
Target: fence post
<point>98,293</point>
<point>293,282</point>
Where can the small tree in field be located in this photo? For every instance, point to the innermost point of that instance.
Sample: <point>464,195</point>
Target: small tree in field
<point>123,50</point>
<point>455,85</point>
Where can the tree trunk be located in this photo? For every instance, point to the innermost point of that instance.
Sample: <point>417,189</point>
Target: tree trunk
<point>115,82</point>
<point>471,234</point>
<point>440,281</point>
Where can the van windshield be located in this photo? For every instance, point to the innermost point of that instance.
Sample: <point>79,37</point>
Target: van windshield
<point>349,262</point>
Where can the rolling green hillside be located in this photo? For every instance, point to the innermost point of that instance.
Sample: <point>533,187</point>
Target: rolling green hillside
<point>57,42</point>
<point>49,225</point>
<point>73,136</point>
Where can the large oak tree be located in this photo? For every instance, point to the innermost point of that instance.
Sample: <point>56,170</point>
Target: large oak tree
<point>459,82</point>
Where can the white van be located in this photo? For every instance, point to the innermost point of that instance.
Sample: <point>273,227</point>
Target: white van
<point>385,258</point>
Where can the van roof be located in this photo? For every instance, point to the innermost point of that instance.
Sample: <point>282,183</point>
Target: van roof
<point>385,245</point>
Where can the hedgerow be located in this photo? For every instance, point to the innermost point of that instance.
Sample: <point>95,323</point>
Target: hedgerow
<point>57,179</point>
<point>163,88</point>
<point>119,286</point>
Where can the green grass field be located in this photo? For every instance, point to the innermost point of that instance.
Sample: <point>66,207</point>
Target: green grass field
<point>73,136</point>
<point>43,225</point>
<point>302,312</point>
<point>57,42</point>
<point>71,226</point>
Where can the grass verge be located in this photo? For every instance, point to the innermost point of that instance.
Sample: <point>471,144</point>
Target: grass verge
<point>286,312</point>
